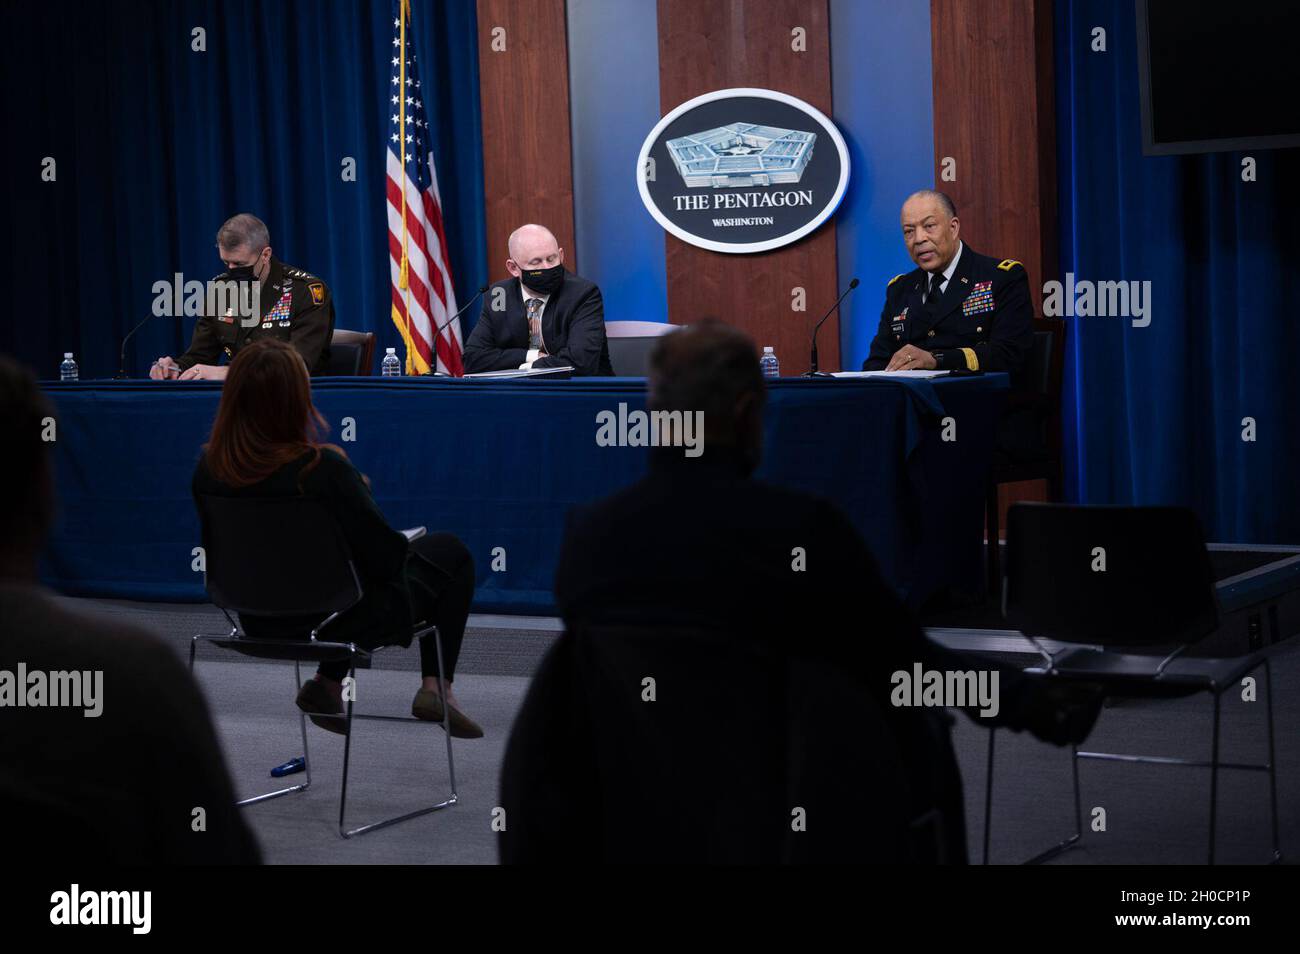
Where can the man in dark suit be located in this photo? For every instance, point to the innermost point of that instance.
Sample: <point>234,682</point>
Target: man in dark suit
<point>699,543</point>
<point>957,310</point>
<point>542,316</point>
<point>133,775</point>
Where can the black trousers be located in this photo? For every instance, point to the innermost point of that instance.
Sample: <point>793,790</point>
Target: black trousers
<point>440,575</point>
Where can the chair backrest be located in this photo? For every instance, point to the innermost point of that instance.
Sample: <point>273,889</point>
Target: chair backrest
<point>681,745</point>
<point>1113,576</point>
<point>1046,362</point>
<point>275,556</point>
<point>638,329</point>
<point>351,352</point>
<point>630,345</point>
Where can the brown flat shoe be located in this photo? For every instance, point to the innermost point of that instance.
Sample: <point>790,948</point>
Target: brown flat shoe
<point>428,705</point>
<point>315,698</point>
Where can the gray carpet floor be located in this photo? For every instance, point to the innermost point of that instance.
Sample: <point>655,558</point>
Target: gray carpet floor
<point>1153,814</point>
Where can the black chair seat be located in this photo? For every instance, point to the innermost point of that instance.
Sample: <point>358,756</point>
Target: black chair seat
<point>1136,675</point>
<point>1124,587</point>
<point>285,562</point>
<point>301,650</point>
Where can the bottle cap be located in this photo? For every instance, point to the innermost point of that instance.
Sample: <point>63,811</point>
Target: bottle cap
<point>767,350</point>
<point>390,351</point>
<point>67,354</point>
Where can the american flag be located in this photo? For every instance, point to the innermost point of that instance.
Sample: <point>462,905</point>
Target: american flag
<point>423,297</point>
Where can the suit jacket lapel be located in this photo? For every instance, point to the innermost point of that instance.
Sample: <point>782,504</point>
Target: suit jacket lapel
<point>517,315</point>
<point>550,318</point>
<point>912,299</point>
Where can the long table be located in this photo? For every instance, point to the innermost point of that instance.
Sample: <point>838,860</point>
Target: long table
<point>500,462</point>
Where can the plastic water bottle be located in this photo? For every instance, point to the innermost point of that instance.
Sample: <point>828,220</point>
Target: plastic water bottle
<point>68,369</point>
<point>769,364</point>
<point>392,368</point>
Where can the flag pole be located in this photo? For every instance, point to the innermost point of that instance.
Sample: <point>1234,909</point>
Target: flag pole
<point>403,280</point>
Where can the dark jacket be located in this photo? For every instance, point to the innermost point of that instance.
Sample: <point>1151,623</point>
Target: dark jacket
<point>119,788</point>
<point>573,330</point>
<point>295,306</point>
<point>383,616</point>
<point>698,544</point>
<point>983,321</point>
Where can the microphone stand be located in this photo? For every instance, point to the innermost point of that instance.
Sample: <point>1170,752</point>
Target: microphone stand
<point>813,371</point>
<point>121,358</point>
<point>437,331</point>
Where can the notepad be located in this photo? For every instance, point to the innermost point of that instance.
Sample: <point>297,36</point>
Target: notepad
<point>927,373</point>
<point>562,372</point>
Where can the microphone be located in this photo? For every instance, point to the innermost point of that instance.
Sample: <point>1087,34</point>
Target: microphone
<point>437,331</point>
<point>812,371</point>
<point>121,358</point>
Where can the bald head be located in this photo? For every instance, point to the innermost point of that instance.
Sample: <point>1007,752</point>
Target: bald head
<point>531,245</point>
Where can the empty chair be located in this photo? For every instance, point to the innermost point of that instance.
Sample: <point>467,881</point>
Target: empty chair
<point>352,353</point>
<point>1135,587</point>
<point>630,344</point>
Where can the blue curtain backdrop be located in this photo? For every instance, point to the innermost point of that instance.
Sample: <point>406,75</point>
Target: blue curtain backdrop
<point>157,144</point>
<point>1154,414</point>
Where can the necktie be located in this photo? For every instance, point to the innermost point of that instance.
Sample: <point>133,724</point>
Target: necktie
<point>936,279</point>
<point>534,306</point>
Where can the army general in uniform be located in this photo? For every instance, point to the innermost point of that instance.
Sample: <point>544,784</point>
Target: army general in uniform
<point>294,306</point>
<point>958,310</point>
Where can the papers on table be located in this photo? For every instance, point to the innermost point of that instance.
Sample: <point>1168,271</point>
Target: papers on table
<point>889,374</point>
<point>563,372</point>
<point>413,533</point>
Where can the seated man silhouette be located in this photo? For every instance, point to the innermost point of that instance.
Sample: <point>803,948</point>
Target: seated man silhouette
<point>130,772</point>
<point>699,543</point>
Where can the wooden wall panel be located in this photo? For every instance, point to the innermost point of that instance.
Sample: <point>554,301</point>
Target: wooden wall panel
<point>524,92</point>
<point>994,113</point>
<point>706,45</point>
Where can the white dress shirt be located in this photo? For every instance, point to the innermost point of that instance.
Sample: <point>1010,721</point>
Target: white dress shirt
<point>947,274</point>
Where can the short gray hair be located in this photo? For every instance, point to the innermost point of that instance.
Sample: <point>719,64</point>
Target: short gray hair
<point>243,229</point>
<point>705,366</point>
<point>943,198</point>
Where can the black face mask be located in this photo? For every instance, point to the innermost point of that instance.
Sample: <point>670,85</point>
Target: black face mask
<point>544,280</point>
<point>241,273</point>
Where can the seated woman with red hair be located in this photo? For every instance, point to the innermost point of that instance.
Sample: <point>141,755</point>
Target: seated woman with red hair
<point>266,443</point>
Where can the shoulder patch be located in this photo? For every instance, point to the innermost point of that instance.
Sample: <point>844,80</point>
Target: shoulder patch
<point>895,278</point>
<point>317,293</point>
<point>1008,263</point>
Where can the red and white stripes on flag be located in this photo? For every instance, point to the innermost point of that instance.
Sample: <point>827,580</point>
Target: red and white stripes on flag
<point>423,296</point>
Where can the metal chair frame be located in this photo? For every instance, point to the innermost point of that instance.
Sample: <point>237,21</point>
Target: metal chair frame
<point>236,640</point>
<point>1214,764</point>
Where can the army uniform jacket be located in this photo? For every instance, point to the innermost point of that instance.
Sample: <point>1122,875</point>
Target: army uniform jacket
<point>295,306</point>
<point>983,321</point>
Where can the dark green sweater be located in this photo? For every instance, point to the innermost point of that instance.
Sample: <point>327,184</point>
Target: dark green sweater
<point>378,551</point>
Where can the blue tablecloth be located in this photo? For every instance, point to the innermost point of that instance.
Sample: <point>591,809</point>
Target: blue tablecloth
<point>500,462</point>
